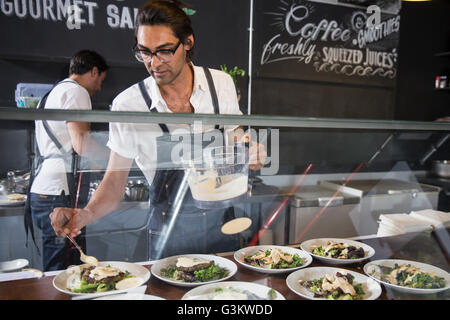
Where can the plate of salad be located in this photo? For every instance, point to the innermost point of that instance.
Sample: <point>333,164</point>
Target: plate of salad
<point>338,251</point>
<point>190,270</point>
<point>272,259</point>
<point>408,276</point>
<point>327,283</point>
<point>88,279</point>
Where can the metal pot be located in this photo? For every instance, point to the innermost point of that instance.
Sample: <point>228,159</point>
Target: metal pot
<point>441,168</point>
<point>136,191</point>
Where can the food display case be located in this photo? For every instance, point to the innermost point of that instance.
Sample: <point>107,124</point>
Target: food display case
<point>322,178</point>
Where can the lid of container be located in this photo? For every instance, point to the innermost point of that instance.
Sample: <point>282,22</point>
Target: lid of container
<point>319,196</point>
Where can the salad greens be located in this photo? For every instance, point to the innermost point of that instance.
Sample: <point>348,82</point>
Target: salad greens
<point>339,287</point>
<point>213,272</point>
<point>409,276</point>
<point>98,286</point>
<point>339,251</point>
<point>274,259</point>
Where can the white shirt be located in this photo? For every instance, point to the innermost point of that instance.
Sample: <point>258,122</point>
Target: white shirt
<point>138,140</point>
<point>51,179</point>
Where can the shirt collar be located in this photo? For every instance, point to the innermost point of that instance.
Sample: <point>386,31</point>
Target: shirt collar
<point>200,86</point>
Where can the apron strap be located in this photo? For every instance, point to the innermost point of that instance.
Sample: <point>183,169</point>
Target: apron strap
<point>148,101</point>
<point>212,90</point>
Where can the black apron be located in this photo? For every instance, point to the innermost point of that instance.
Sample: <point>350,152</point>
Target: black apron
<point>194,230</point>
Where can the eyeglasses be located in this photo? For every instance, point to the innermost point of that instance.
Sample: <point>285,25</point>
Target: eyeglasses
<point>164,55</point>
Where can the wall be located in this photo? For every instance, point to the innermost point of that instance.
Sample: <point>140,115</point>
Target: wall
<point>425,31</point>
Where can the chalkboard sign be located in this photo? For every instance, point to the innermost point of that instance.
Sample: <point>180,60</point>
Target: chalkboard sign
<point>315,41</point>
<point>56,29</point>
<point>59,28</point>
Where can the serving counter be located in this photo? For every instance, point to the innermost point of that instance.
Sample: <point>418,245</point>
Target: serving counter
<point>322,178</point>
<point>423,247</point>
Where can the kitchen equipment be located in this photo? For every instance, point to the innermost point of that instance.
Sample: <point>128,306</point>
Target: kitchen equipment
<point>27,95</point>
<point>15,182</point>
<point>381,196</point>
<point>308,218</point>
<point>11,182</point>
<point>441,168</point>
<point>443,184</point>
<point>136,190</point>
<point>220,177</point>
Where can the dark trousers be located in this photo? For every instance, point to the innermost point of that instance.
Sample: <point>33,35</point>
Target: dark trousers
<point>58,253</point>
<point>195,232</point>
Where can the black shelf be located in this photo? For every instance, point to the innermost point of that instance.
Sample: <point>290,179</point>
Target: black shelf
<point>65,60</point>
<point>443,54</point>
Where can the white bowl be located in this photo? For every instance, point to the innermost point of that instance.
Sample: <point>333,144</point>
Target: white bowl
<point>140,272</point>
<point>371,288</point>
<point>242,253</point>
<point>13,265</point>
<point>255,288</point>
<point>309,245</point>
<point>371,267</point>
<point>221,262</point>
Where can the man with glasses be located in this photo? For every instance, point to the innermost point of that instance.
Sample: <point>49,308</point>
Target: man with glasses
<point>164,44</point>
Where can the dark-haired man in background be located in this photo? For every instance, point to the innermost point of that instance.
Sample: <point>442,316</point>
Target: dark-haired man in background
<point>57,140</point>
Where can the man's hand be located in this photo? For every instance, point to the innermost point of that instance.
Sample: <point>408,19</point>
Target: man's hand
<point>257,154</point>
<point>68,221</point>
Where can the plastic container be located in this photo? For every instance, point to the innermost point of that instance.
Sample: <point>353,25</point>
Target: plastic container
<point>220,177</point>
<point>27,95</point>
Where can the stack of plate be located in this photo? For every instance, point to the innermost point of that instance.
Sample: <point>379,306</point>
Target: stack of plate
<point>400,223</point>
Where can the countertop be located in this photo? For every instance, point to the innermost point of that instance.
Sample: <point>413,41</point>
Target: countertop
<point>423,247</point>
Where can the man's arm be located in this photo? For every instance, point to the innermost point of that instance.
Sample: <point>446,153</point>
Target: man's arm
<point>84,144</point>
<point>105,199</point>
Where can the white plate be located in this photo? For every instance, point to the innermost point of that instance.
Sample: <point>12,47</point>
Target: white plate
<point>164,263</point>
<point>129,296</point>
<point>4,201</point>
<point>13,265</point>
<point>309,245</point>
<point>255,288</point>
<point>369,267</point>
<point>242,253</point>
<point>140,272</point>
<point>371,288</point>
